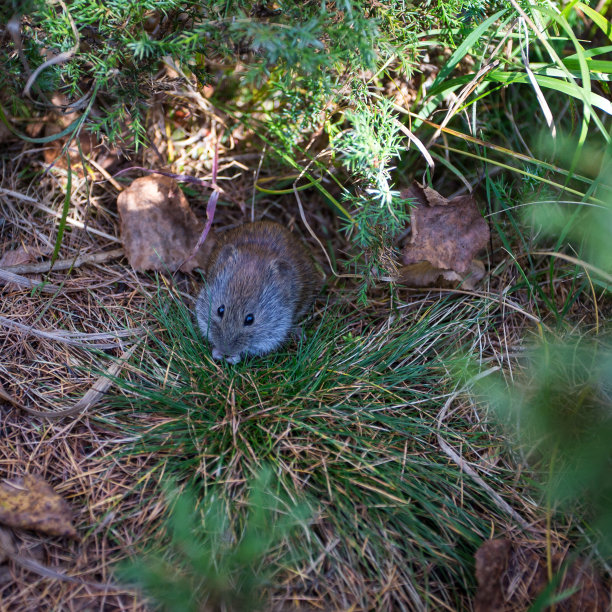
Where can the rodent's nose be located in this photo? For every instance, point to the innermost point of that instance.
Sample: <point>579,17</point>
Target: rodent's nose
<point>227,349</point>
<point>227,355</point>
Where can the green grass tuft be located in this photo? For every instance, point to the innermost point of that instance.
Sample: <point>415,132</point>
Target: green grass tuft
<point>346,418</point>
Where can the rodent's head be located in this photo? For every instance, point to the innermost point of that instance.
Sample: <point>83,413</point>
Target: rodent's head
<point>247,304</point>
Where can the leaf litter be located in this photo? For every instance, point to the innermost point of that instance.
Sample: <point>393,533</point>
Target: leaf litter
<point>31,503</point>
<point>158,228</point>
<point>446,236</point>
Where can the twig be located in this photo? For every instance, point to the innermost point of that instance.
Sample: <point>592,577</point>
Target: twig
<point>70,220</point>
<point>72,338</point>
<point>27,283</point>
<point>417,143</point>
<point>92,397</point>
<point>64,264</point>
<point>118,186</point>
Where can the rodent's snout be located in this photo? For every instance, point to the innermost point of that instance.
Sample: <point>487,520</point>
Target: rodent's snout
<point>217,354</point>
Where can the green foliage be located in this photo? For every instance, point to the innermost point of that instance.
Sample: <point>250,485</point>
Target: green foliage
<point>369,146</point>
<point>561,405</point>
<point>306,69</point>
<point>587,231</point>
<point>122,42</point>
<point>587,228</point>
<point>212,563</point>
<point>563,411</point>
<point>295,114</point>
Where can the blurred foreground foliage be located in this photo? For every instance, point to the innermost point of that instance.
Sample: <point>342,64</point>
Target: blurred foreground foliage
<point>212,563</point>
<point>561,404</point>
<point>563,414</point>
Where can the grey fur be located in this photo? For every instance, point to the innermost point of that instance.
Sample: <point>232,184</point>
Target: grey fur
<point>259,269</point>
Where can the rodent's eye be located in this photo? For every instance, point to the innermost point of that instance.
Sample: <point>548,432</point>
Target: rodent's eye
<point>248,320</point>
<point>220,311</point>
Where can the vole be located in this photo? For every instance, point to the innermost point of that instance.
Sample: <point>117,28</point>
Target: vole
<point>260,281</point>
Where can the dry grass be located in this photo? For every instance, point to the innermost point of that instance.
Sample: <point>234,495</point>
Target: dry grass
<point>97,304</point>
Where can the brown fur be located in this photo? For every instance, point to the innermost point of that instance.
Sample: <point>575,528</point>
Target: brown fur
<point>259,268</point>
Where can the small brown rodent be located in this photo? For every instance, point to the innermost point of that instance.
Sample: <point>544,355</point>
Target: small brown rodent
<point>260,281</point>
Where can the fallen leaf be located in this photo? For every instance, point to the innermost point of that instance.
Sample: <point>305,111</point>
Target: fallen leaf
<point>446,236</point>
<point>424,195</point>
<point>423,274</point>
<point>158,228</point>
<point>31,503</point>
<point>20,256</point>
<point>511,576</point>
<point>16,257</point>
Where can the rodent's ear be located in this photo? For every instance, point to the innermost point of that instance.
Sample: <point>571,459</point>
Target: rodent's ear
<point>281,269</point>
<point>227,253</point>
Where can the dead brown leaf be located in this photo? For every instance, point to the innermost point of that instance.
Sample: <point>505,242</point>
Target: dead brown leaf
<point>511,576</point>
<point>158,228</point>
<point>31,503</point>
<point>423,274</point>
<point>424,196</point>
<point>446,237</point>
<point>17,257</point>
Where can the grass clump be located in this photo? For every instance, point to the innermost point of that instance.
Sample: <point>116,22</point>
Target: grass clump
<point>349,421</point>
